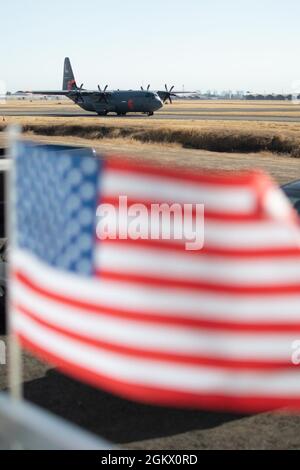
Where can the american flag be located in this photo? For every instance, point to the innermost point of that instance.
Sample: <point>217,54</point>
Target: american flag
<point>147,319</point>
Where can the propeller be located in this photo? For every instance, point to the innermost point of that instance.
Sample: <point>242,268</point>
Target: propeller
<point>148,88</point>
<point>78,95</point>
<point>103,96</point>
<point>168,94</point>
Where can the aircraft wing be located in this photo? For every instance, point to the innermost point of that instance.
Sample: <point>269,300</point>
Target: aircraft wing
<point>63,92</point>
<point>163,94</point>
<point>48,92</point>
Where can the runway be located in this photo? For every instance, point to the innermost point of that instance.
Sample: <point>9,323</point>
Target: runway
<point>262,114</point>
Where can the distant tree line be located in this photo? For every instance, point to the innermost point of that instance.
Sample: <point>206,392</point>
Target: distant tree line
<point>271,97</point>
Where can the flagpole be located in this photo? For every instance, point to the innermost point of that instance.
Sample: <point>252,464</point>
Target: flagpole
<point>15,351</point>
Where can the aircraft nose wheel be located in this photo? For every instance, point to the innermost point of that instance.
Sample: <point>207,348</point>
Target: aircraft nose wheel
<point>150,113</point>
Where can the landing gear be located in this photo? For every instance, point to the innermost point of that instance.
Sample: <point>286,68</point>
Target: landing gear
<point>102,113</point>
<point>151,113</point>
<point>121,114</point>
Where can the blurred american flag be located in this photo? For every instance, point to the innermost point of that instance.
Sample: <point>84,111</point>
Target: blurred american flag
<point>147,319</point>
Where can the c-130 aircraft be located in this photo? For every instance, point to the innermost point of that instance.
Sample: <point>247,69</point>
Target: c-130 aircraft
<point>105,101</point>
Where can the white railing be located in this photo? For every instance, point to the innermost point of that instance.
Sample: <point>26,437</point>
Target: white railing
<point>24,426</point>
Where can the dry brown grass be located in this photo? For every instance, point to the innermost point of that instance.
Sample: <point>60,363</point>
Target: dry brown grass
<point>221,136</point>
<point>208,136</point>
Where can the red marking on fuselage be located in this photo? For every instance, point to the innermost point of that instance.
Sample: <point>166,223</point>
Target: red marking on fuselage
<point>130,104</point>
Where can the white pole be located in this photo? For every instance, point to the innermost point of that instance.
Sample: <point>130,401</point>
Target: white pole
<point>15,350</point>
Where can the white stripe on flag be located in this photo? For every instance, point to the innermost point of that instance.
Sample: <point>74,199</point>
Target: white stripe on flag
<point>217,198</point>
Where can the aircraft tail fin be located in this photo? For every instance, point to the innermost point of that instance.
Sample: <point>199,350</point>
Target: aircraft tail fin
<point>69,82</point>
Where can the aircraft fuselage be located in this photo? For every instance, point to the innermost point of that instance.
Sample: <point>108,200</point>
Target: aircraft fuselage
<point>120,102</point>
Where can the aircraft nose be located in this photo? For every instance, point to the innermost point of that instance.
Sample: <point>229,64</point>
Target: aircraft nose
<point>158,103</point>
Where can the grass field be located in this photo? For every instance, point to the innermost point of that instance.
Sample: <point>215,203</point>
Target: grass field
<point>214,135</point>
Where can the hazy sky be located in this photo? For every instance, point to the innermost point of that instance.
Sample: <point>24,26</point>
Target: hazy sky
<point>203,44</point>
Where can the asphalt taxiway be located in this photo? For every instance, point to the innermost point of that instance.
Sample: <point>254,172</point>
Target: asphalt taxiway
<point>190,114</point>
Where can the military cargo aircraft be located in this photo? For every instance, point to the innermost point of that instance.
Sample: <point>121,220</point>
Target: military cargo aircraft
<point>104,101</point>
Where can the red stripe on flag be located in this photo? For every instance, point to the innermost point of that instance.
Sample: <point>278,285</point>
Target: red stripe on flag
<point>254,216</point>
<point>160,396</point>
<point>177,246</point>
<point>259,290</point>
<point>252,179</point>
<point>198,360</point>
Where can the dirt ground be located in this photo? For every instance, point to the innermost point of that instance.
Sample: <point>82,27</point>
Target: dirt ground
<point>139,426</point>
<point>136,426</point>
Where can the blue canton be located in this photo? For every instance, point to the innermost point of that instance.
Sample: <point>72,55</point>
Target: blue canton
<point>56,199</point>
